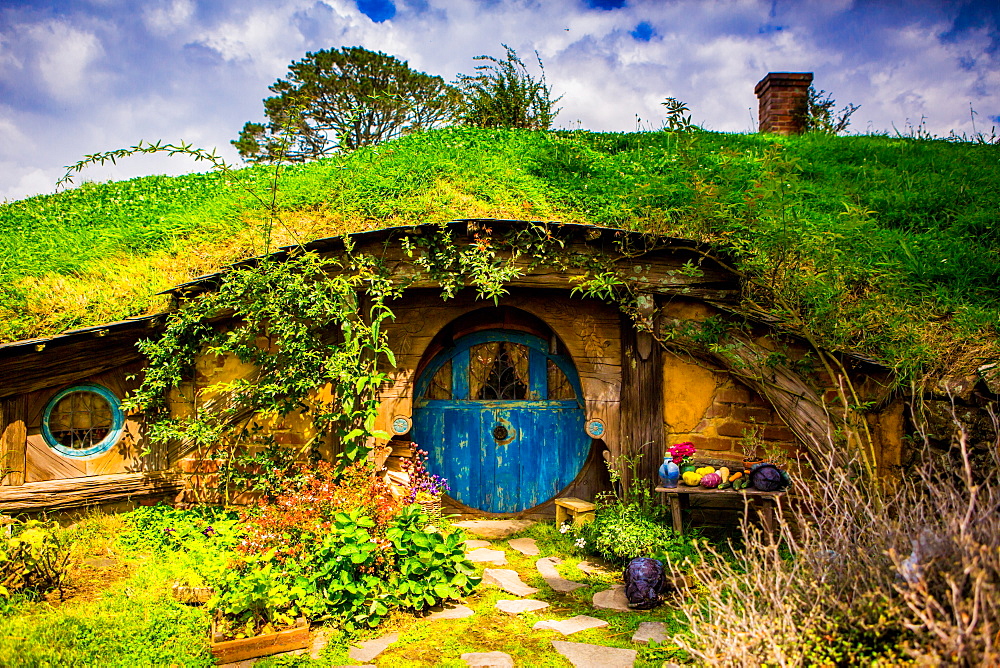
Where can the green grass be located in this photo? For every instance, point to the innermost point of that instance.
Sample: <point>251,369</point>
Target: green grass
<point>127,617</point>
<point>887,246</point>
<point>118,616</point>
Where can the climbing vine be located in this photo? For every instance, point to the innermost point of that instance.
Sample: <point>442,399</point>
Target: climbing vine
<point>309,334</point>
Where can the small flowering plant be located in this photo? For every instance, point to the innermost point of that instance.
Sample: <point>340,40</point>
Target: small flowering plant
<point>424,485</point>
<point>682,453</point>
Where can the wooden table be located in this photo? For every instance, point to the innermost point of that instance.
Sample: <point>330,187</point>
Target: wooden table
<point>765,502</point>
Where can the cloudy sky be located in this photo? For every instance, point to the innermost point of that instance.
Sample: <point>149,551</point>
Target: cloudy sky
<point>81,76</point>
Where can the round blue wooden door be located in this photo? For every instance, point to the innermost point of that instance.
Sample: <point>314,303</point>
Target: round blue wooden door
<point>502,419</point>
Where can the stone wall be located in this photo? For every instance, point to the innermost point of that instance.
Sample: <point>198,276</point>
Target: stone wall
<point>707,408</point>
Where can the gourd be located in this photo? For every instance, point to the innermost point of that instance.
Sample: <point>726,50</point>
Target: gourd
<point>736,476</point>
<point>691,478</point>
<point>705,470</point>
<point>711,480</point>
<point>724,473</point>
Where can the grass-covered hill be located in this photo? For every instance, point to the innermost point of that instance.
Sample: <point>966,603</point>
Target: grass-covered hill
<point>890,247</point>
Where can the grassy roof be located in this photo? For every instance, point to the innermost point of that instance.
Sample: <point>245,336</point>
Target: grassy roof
<point>890,247</point>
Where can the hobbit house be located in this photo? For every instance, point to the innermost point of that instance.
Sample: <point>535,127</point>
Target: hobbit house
<point>599,345</point>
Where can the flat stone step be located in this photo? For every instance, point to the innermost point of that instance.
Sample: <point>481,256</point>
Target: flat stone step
<point>516,607</point>
<point>571,625</point>
<point>547,567</point>
<point>582,655</point>
<point>451,612</point>
<point>612,599</point>
<point>369,649</point>
<point>650,631</point>
<point>493,529</point>
<point>488,660</point>
<point>525,546</point>
<point>507,580</point>
<point>488,556</point>
<point>473,544</point>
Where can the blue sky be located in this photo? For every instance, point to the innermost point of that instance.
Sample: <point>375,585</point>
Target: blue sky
<point>82,76</point>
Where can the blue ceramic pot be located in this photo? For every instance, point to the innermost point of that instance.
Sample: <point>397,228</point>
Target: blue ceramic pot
<point>669,473</point>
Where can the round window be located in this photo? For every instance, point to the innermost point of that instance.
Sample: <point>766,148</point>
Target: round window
<point>83,421</point>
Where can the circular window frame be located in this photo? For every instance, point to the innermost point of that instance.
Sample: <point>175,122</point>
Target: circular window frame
<point>114,433</point>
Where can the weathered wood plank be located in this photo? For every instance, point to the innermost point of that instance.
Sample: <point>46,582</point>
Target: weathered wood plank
<point>13,440</point>
<point>55,495</point>
<point>232,651</point>
<point>67,363</point>
<point>641,405</point>
<point>44,463</point>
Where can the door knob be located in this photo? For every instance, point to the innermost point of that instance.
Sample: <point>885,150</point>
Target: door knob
<point>500,433</point>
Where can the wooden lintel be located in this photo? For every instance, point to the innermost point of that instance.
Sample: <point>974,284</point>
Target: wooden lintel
<point>67,363</point>
<point>69,493</point>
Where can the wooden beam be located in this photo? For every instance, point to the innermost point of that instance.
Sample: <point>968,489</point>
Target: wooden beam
<point>13,439</point>
<point>56,495</point>
<point>641,405</point>
<point>66,363</point>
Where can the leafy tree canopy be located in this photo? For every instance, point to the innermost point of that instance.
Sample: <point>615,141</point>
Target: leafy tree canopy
<point>344,99</point>
<point>503,94</point>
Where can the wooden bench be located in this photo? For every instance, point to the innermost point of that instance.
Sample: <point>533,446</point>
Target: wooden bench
<point>764,502</point>
<point>579,510</point>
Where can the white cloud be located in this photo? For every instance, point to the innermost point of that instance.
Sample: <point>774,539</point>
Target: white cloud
<point>64,58</point>
<point>34,181</point>
<point>93,79</point>
<point>166,17</point>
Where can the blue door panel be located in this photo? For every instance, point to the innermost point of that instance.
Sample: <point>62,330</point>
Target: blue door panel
<point>545,445</point>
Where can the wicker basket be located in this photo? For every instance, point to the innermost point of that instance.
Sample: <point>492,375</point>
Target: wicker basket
<point>432,508</point>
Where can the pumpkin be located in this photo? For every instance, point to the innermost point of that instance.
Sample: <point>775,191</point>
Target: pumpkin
<point>711,480</point>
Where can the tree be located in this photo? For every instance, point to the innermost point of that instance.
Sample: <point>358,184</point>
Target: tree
<point>820,116</point>
<point>503,94</point>
<point>344,99</point>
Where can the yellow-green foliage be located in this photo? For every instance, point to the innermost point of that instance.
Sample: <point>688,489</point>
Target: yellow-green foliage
<point>884,245</point>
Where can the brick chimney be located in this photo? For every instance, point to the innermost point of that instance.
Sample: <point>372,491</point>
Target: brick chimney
<point>783,98</point>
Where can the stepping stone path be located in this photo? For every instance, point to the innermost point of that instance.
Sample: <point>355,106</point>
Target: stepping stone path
<point>485,555</point>
<point>319,640</point>
<point>488,660</point>
<point>612,599</point>
<point>571,625</point>
<point>369,649</point>
<point>582,655</point>
<point>518,606</point>
<point>525,546</point>
<point>647,631</point>
<point>454,612</point>
<point>473,544</point>
<point>547,567</point>
<point>507,580</point>
<point>494,529</point>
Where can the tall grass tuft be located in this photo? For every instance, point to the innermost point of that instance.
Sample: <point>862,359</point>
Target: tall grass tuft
<point>863,574</point>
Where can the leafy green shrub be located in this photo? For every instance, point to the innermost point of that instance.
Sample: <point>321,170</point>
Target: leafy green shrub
<point>34,558</point>
<point>342,573</point>
<point>427,567</point>
<point>622,531</point>
<point>336,546</point>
